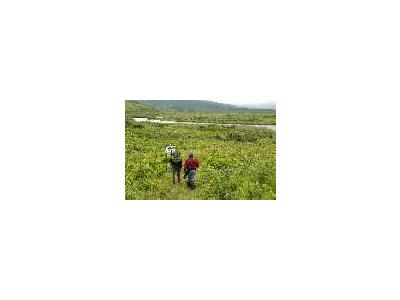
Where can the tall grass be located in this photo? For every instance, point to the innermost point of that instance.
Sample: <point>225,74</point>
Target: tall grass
<point>236,163</point>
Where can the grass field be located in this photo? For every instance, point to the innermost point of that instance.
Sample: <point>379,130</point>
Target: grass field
<point>235,162</point>
<point>238,117</point>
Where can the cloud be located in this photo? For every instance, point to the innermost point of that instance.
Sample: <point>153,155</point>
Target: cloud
<point>250,103</point>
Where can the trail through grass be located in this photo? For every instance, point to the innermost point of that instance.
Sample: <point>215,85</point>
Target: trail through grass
<point>177,191</point>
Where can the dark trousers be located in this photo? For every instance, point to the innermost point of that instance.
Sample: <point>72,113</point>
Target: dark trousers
<point>176,171</point>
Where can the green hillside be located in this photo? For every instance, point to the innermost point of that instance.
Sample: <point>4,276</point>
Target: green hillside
<point>188,105</point>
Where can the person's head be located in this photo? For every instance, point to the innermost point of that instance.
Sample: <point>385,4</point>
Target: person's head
<point>191,155</point>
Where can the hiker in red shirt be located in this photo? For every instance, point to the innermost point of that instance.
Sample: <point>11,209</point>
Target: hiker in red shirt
<point>190,164</point>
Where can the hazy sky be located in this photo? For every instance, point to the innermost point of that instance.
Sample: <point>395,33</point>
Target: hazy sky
<point>245,102</point>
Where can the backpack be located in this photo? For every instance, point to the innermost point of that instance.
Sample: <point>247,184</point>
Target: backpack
<point>176,156</point>
<point>169,149</point>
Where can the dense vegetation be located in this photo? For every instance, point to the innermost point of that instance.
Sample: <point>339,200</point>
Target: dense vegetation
<point>236,162</point>
<point>239,117</point>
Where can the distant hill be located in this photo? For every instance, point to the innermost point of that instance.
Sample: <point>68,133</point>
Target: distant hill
<point>136,109</point>
<point>188,105</point>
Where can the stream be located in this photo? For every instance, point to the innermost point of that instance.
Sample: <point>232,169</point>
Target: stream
<point>273,127</point>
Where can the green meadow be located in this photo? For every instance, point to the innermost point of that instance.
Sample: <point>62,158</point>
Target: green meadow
<point>236,162</point>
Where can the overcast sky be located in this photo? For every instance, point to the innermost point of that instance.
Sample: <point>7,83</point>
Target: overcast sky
<point>246,102</point>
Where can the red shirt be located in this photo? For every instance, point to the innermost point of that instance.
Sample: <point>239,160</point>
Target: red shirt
<point>191,163</point>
